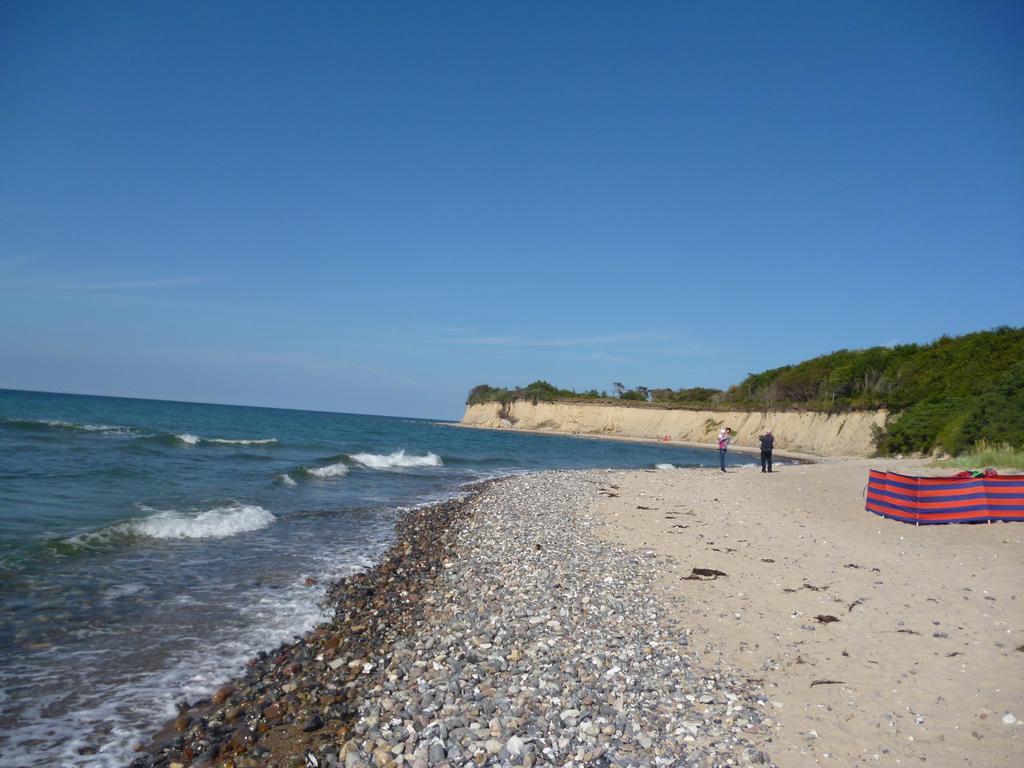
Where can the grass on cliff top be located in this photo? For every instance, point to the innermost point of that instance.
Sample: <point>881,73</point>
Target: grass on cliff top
<point>985,454</point>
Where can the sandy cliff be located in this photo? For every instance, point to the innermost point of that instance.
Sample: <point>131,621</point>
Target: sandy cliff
<point>844,434</point>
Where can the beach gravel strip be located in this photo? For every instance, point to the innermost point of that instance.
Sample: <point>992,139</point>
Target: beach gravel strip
<point>497,631</point>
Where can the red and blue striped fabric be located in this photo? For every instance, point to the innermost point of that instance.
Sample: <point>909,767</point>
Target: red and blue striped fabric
<point>936,500</point>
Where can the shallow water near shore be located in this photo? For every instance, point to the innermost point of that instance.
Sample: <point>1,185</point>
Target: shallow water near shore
<point>148,548</point>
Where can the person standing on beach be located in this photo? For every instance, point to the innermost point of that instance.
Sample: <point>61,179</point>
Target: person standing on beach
<point>767,444</point>
<point>724,436</point>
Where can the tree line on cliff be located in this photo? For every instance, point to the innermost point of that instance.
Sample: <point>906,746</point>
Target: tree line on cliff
<point>945,395</point>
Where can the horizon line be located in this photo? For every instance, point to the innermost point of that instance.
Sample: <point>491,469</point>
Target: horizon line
<point>226,405</point>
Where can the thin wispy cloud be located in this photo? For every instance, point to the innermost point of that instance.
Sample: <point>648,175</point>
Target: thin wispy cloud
<point>73,285</point>
<point>682,349</point>
<point>602,357</point>
<point>444,329</point>
<point>584,341</point>
<point>133,285</point>
<point>16,261</point>
<point>294,360</point>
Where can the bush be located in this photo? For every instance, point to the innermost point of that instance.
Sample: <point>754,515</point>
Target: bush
<point>693,396</point>
<point>916,430</point>
<point>484,393</point>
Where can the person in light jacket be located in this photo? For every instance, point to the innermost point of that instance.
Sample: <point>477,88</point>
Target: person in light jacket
<point>724,438</point>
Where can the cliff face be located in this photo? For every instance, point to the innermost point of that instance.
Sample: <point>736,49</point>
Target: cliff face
<point>843,434</point>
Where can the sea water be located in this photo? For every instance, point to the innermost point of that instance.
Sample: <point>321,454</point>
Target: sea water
<point>149,548</point>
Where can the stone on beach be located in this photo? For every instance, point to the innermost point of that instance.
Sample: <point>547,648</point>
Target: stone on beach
<point>499,630</point>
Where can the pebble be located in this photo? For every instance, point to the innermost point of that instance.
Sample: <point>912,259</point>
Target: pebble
<point>497,631</point>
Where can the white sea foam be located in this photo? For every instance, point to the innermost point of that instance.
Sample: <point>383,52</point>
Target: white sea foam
<point>216,523</point>
<point>111,429</point>
<point>112,716</point>
<point>286,480</point>
<point>189,439</point>
<point>664,466</point>
<point>225,441</point>
<point>331,470</point>
<point>115,591</point>
<point>396,459</point>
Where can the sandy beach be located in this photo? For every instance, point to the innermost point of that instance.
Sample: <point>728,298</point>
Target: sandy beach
<point>924,662</point>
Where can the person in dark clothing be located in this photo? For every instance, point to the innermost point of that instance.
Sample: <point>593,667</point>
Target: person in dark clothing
<point>767,444</point>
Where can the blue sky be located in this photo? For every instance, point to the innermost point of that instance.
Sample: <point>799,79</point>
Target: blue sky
<point>372,208</point>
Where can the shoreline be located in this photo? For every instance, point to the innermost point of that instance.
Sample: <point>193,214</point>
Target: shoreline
<point>499,629</point>
<point>807,458</point>
<point>268,715</point>
<point>552,618</point>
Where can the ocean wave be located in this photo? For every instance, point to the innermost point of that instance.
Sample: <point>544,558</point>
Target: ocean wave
<point>397,459</point>
<point>190,439</point>
<point>664,466</point>
<point>70,426</point>
<point>225,441</point>
<point>331,470</point>
<point>286,480</point>
<point>67,712</point>
<point>117,591</point>
<point>216,523</point>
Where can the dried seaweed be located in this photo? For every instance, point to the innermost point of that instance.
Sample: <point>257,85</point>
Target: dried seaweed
<point>704,574</point>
